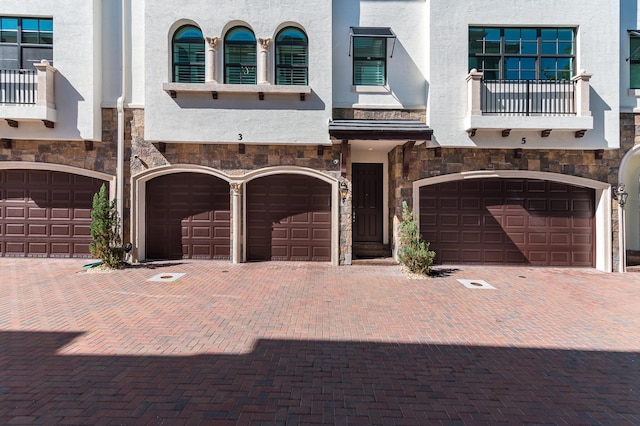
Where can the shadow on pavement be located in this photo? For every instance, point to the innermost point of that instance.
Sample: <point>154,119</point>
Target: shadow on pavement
<point>316,382</point>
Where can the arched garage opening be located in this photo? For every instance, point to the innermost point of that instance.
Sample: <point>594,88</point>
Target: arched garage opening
<point>46,213</point>
<point>288,217</point>
<point>187,215</point>
<point>516,218</point>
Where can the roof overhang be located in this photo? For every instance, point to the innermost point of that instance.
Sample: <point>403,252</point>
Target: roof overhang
<point>372,32</point>
<point>397,130</point>
<point>378,32</point>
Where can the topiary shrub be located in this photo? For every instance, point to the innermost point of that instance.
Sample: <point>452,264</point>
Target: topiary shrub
<point>413,253</point>
<point>105,230</point>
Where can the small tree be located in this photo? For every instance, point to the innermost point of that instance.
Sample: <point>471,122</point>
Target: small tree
<point>105,230</point>
<point>413,252</point>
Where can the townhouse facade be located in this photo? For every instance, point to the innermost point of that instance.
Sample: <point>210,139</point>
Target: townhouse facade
<point>248,131</point>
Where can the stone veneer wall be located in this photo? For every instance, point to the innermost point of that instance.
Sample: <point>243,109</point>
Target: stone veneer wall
<point>379,114</point>
<point>582,163</point>
<point>224,157</point>
<point>69,153</point>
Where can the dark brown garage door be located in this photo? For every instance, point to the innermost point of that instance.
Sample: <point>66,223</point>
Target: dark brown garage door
<point>288,218</point>
<point>508,221</point>
<point>188,216</point>
<point>45,213</point>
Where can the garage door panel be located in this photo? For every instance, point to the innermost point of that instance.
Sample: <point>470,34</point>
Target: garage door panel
<point>514,221</point>
<point>82,230</point>
<point>470,203</point>
<point>188,216</point>
<point>471,237</point>
<point>16,212</point>
<point>321,217</point>
<point>300,233</point>
<point>465,219</point>
<point>300,206</point>
<point>450,219</point>
<point>449,203</point>
<point>519,221</point>
<point>60,214</point>
<point>15,229</point>
<point>493,256</point>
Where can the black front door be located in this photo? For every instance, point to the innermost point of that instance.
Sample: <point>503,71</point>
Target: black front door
<point>367,202</point>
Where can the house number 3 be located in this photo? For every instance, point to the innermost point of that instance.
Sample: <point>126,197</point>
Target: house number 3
<point>239,136</point>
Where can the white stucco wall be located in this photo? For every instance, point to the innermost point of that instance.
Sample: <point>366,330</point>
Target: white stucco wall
<point>77,55</point>
<point>597,23</point>
<point>406,70</point>
<point>279,118</point>
<point>629,20</point>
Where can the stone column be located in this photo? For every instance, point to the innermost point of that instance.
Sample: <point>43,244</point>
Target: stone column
<point>236,225</point>
<point>474,87</point>
<point>45,82</point>
<point>210,60</point>
<point>582,93</point>
<point>263,60</point>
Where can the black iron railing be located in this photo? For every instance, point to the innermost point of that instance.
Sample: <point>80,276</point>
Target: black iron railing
<point>18,86</point>
<point>528,97</point>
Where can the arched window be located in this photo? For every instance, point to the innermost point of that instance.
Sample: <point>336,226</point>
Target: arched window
<point>240,56</point>
<point>188,55</point>
<point>292,59</point>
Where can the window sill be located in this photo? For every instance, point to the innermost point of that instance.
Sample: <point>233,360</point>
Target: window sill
<point>215,88</point>
<point>634,92</point>
<point>370,89</point>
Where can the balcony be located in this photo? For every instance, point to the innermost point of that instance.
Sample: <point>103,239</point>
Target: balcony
<point>28,95</point>
<point>534,105</point>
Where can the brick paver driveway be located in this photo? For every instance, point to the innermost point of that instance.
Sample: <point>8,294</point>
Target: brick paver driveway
<point>302,343</point>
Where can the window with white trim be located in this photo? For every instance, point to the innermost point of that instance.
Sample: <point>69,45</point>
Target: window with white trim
<point>188,55</point>
<point>25,41</point>
<point>522,53</point>
<point>292,67</point>
<point>634,60</point>
<point>369,45</point>
<point>240,61</point>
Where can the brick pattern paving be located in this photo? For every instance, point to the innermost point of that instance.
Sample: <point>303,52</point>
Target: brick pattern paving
<point>308,343</point>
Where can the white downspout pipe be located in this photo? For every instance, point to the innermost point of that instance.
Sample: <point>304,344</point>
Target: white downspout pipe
<point>120,108</point>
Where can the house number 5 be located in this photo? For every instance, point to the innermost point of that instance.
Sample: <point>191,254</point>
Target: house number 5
<point>239,136</point>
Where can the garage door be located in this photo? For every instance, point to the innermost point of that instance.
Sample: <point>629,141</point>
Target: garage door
<point>187,216</point>
<point>45,213</point>
<point>288,218</point>
<point>508,221</point>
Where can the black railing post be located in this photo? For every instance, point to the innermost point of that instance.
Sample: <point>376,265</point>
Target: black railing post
<point>18,86</point>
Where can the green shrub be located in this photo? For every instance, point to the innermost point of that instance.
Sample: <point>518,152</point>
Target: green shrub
<point>105,230</point>
<point>413,252</point>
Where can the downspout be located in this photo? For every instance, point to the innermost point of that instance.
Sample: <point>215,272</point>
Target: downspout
<point>120,108</point>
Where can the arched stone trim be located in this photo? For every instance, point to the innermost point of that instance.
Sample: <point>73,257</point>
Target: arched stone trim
<point>286,24</point>
<point>602,201</point>
<point>629,174</point>
<point>29,165</point>
<point>278,170</point>
<point>335,201</point>
<point>138,197</point>
<point>236,23</point>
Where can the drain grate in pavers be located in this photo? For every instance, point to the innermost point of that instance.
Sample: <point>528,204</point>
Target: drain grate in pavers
<point>167,277</point>
<point>480,284</point>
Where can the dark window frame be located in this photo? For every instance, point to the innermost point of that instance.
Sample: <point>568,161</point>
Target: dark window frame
<point>634,60</point>
<point>20,45</point>
<point>478,60</point>
<point>245,48</point>
<point>291,67</point>
<point>369,59</point>
<point>196,68</point>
